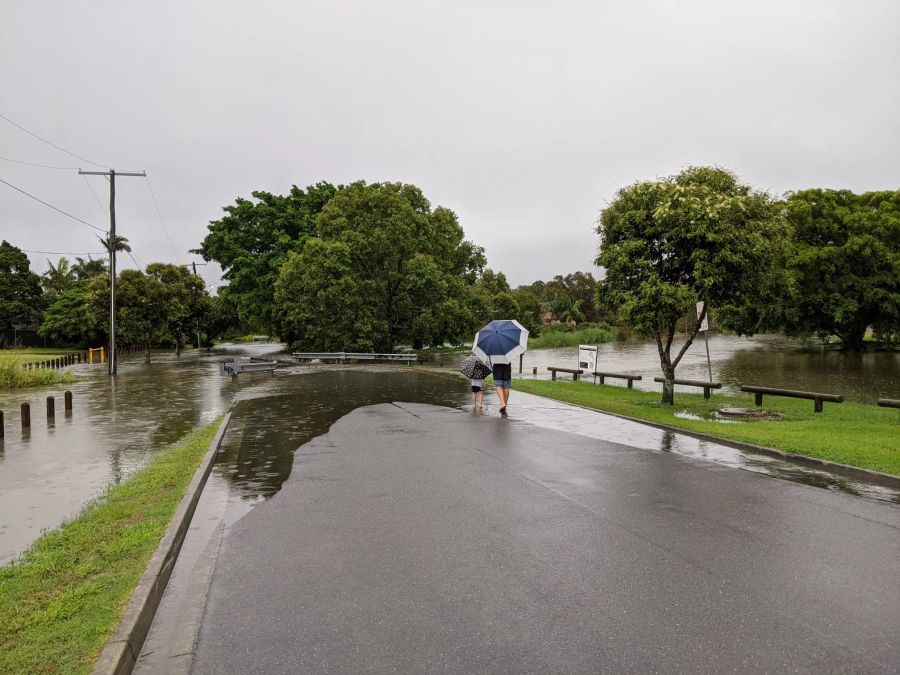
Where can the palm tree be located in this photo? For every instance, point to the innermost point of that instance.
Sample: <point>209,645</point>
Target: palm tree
<point>121,243</point>
<point>58,278</point>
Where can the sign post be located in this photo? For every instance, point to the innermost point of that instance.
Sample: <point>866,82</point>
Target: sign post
<point>587,359</point>
<point>704,326</point>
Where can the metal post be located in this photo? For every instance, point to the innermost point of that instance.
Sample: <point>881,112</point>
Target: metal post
<point>51,408</point>
<point>112,272</point>
<point>521,356</point>
<point>26,416</point>
<point>1,424</point>
<point>708,362</point>
<point>68,403</point>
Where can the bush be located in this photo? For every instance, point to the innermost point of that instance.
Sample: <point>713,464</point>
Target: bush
<point>14,376</point>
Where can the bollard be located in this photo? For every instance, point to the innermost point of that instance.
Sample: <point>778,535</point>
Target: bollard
<point>51,408</point>
<point>534,371</point>
<point>68,403</point>
<point>26,417</point>
<point>1,424</point>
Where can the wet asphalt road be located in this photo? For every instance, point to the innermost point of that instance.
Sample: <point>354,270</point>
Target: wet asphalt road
<point>416,538</point>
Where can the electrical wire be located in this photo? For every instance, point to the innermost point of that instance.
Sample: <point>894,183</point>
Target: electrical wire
<point>96,198</point>
<point>83,222</point>
<point>25,250</point>
<point>42,166</point>
<point>31,133</point>
<point>139,266</point>
<point>161,221</point>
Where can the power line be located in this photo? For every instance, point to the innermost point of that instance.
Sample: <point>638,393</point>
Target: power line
<point>161,221</point>
<point>96,198</point>
<point>42,166</point>
<point>31,133</point>
<point>83,222</point>
<point>25,250</point>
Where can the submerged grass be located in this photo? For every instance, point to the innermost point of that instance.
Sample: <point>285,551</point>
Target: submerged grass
<point>587,334</point>
<point>63,597</point>
<point>14,376</point>
<point>857,434</point>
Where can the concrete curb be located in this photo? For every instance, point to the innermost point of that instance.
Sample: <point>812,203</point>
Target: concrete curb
<point>121,652</point>
<point>868,475</point>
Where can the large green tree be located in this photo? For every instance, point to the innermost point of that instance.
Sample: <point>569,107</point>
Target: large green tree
<point>185,299</point>
<point>252,241</point>
<point>384,268</point>
<point>698,236</point>
<point>20,288</point>
<point>70,319</point>
<point>57,279</point>
<point>846,257</point>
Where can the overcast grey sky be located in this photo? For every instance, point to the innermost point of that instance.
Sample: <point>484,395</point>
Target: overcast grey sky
<point>522,117</point>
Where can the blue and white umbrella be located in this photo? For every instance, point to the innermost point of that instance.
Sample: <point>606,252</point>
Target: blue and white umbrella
<point>501,341</point>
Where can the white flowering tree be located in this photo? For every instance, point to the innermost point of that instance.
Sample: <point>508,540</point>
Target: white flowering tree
<point>698,236</point>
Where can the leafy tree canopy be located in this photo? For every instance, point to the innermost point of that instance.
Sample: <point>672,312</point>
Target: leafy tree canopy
<point>698,236</point>
<point>846,257</point>
<point>20,288</point>
<point>69,319</point>
<point>384,268</point>
<point>252,241</point>
<point>185,299</point>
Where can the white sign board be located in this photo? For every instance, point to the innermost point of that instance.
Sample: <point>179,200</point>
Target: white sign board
<point>587,358</point>
<point>704,325</point>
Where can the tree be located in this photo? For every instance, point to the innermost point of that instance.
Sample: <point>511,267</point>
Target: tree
<point>846,256</point>
<point>141,316</point>
<point>698,236</point>
<point>57,279</point>
<point>121,243</point>
<point>185,301</point>
<point>20,288</point>
<point>253,240</point>
<point>69,320</point>
<point>88,269</point>
<point>384,268</point>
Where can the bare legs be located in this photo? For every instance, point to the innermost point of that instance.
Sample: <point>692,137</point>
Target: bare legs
<point>503,395</point>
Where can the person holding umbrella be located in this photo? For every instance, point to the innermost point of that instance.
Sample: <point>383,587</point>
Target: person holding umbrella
<point>500,342</point>
<point>476,370</point>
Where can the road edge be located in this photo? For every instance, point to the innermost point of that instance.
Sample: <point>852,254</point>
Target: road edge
<point>870,475</point>
<point>120,653</point>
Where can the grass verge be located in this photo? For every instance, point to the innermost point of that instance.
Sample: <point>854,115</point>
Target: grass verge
<point>63,598</point>
<point>857,434</point>
<point>566,336</point>
<point>14,376</point>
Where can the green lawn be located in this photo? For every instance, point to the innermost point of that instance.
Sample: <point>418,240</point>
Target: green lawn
<point>34,354</point>
<point>62,599</point>
<point>850,433</point>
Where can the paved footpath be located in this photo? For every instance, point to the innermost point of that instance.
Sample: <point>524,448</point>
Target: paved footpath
<point>418,539</point>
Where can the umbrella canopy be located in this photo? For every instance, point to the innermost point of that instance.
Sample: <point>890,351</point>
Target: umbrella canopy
<point>501,341</point>
<point>474,368</point>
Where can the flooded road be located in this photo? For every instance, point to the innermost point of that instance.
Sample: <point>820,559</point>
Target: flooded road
<point>118,425</point>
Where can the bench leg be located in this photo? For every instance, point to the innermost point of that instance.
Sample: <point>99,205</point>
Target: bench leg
<point>631,384</point>
<point>553,374</point>
<point>705,392</point>
<point>575,377</point>
<point>602,379</point>
<point>818,405</point>
<point>758,399</point>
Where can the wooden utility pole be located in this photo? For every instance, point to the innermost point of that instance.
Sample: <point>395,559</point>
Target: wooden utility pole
<point>111,175</point>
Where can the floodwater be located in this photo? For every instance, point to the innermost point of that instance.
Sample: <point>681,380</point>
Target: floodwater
<point>767,360</point>
<point>119,424</point>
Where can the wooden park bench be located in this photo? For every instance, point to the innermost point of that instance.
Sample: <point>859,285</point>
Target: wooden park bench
<point>889,403</point>
<point>243,364</point>
<point>574,371</point>
<point>817,398</point>
<point>622,376</point>
<point>706,386</point>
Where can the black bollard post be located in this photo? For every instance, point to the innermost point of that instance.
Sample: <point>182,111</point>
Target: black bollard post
<point>26,417</point>
<point>1,424</point>
<point>51,408</point>
<point>68,403</point>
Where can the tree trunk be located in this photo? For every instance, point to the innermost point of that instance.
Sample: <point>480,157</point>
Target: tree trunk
<point>178,348</point>
<point>668,392</point>
<point>853,338</point>
<point>147,354</point>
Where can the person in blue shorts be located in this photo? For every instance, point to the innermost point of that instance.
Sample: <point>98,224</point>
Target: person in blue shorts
<point>502,380</point>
